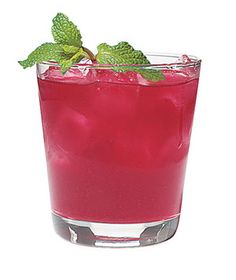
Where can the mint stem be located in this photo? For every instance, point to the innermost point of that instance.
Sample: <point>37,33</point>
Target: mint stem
<point>91,56</point>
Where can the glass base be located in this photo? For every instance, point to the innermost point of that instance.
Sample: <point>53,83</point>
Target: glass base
<point>114,235</point>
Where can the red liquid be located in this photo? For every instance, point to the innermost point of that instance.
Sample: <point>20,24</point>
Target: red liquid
<point>116,147</point>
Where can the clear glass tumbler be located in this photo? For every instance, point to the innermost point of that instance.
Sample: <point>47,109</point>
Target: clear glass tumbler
<point>116,148</point>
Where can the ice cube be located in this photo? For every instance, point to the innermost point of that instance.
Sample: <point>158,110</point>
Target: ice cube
<point>184,59</point>
<point>111,76</point>
<point>72,131</point>
<point>128,77</point>
<point>190,71</point>
<point>80,74</point>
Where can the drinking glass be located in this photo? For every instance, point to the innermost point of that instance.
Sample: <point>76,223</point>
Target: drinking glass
<point>116,148</point>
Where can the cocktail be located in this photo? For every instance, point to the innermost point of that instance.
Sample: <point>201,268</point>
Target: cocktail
<point>116,145</point>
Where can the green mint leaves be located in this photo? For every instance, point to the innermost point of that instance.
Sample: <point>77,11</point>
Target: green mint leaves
<point>65,32</point>
<point>124,53</point>
<point>47,51</point>
<point>68,49</point>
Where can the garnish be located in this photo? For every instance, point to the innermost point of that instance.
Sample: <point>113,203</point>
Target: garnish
<point>68,49</point>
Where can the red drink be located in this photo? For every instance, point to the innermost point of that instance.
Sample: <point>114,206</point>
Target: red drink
<point>116,144</point>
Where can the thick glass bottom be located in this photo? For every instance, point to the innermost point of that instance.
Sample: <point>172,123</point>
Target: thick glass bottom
<point>114,235</point>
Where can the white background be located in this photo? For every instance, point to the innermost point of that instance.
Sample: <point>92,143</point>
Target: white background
<point>205,244</point>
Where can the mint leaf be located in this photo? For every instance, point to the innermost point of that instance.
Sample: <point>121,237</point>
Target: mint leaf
<point>45,52</point>
<point>124,53</point>
<point>65,32</point>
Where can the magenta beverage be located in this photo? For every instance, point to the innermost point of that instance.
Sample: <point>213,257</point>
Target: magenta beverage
<point>116,147</point>
<point>117,126</point>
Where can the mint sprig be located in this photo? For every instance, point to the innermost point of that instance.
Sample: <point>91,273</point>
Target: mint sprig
<point>68,49</point>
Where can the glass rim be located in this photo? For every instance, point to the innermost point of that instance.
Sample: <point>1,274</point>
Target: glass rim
<point>195,62</point>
